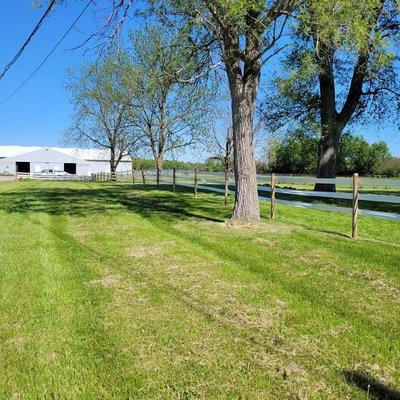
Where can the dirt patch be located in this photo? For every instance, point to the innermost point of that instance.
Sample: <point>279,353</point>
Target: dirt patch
<point>377,284</point>
<point>236,228</point>
<point>107,281</point>
<point>260,227</point>
<point>232,312</point>
<point>154,250</point>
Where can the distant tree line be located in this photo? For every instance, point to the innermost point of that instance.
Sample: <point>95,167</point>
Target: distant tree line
<point>298,153</point>
<point>151,164</point>
<point>389,167</point>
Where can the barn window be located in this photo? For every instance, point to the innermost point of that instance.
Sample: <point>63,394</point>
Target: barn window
<point>70,168</point>
<point>23,167</point>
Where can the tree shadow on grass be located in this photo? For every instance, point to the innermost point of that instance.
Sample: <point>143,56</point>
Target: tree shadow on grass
<point>375,389</point>
<point>327,231</point>
<point>83,201</point>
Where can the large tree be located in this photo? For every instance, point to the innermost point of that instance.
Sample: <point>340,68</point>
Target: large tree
<point>102,101</point>
<point>170,114</point>
<point>242,35</point>
<point>343,69</point>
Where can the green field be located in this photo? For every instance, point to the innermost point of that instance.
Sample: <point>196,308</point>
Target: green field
<point>113,293</point>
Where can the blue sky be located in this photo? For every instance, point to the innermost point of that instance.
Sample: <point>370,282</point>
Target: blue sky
<point>41,111</point>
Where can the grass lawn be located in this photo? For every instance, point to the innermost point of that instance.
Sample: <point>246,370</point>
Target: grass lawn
<point>112,293</point>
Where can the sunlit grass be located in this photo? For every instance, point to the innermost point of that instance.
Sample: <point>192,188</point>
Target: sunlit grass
<point>115,293</point>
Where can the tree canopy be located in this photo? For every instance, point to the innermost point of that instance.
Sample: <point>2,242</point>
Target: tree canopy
<point>297,153</point>
<point>343,69</point>
<point>102,101</point>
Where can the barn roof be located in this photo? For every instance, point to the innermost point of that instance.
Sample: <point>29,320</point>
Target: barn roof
<point>83,154</point>
<point>45,155</point>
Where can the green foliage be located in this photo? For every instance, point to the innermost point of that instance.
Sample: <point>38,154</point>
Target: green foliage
<point>171,110</point>
<point>341,24</point>
<point>102,101</point>
<point>298,153</point>
<point>150,164</point>
<point>389,167</point>
<point>357,155</point>
<point>336,34</point>
<point>213,164</point>
<point>237,10</point>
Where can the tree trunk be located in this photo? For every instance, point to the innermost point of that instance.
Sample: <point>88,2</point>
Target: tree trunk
<point>328,158</point>
<point>247,208</point>
<point>159,164</point>
<point>227,173</point>
<point>330,130</point>
<point>113,164</point>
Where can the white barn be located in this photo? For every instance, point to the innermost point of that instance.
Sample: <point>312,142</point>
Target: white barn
<point>20,159</point>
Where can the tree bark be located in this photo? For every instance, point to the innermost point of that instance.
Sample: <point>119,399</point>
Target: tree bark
<point>247,208</point>
<point>113,164</point>
<point>330,130</point>
<point>226,185</point>
<point>328,159</point>
<point>159,165</point>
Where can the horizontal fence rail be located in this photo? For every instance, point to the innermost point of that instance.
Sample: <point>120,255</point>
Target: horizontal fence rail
<point>269,186</point>
<point>51,177</point>
<point>215,182</point>
<point>321,207</point>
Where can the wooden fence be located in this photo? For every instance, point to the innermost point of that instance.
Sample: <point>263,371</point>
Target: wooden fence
<point>52,177</point>
<point>270,187</point>
<point>271,190</point>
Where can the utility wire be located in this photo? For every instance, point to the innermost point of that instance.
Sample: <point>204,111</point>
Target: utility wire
<point>27,41</point>
<point>48,56</point>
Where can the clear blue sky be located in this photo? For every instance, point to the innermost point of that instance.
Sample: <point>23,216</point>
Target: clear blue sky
<point>41,111</point>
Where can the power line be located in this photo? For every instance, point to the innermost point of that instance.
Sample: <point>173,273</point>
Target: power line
<point>27,41</point>
<point>48,56</point>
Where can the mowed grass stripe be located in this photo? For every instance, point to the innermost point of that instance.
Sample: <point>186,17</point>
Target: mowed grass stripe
<point>161,329</point>
<point>162,301</point>
<point>315,298</point>
<point>260,260</point>
<point>56,350</point>
<point>21,292</point>
<point>327,310</point>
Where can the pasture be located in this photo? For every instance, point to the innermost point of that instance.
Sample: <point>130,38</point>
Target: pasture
<point>110,292</point>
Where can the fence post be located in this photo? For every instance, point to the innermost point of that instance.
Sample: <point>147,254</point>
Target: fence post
<point>273,196</point>
<point>356,198</point>
<point>174,179</point>
<point>196,181</point>
<point>144,179</point>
